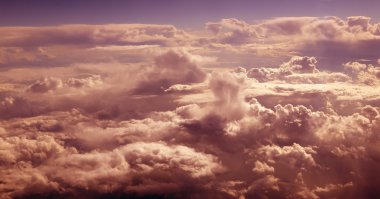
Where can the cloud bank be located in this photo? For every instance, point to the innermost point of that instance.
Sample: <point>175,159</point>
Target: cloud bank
<point>282,108</point>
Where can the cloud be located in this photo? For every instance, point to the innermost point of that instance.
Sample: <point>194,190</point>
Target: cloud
<point>69,44</point>
<point>49,84</point>
<point>19,56</point>
<point>322,37</point>
<point>83,35</point>
<point>301,65</point>
<point>266,41</point>
<point>293,156</point>
<point>298,70</point>
<point>363,73</point>
<point>35,151</point>
<point>153,167</point>
<point>91,81</point>
<point>316,78</point>
<point>232,31</point>
<point>262,167</point>
<point>15,106</point>
<point>149,111</point>
<point>45,85</point>
<point>227,88</point>
<point>359,22</point>
<point>355,67</point>
<point>157,156</point>
<point>170,68</point>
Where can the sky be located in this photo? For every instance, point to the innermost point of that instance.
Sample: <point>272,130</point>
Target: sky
<point>189,99</point>
<point>185,14</point>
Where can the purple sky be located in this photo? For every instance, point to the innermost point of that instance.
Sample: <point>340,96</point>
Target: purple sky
<point>185,14</point>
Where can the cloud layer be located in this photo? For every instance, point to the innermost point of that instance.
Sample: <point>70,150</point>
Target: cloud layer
<point>282,108</point>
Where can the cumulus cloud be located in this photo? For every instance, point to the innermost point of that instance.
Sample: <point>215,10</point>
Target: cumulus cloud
<point>179,88</point>
<point>170,68</point>
<point>334,39</point>
<point>49,84</point>
<point>45,84</point>
<point>232,31</point>
<point>70,44</point>
<point>294,156</point>
<point>227,88</point>
<point>297,70</point>
<point>355,67</point>
<point>145,168</point>
<point>157,118</point>
<point>265,41</point>
<point>114,170</point>
<point>363,73</point>
<point>15,106</point>
<point>262,167</point>
<point>361,22</point>
<point>231,147</point>
<point>91,81</point>
<point>301,65</point>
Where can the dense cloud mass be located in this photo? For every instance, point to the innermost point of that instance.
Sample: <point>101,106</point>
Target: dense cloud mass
<point>283,108</point>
